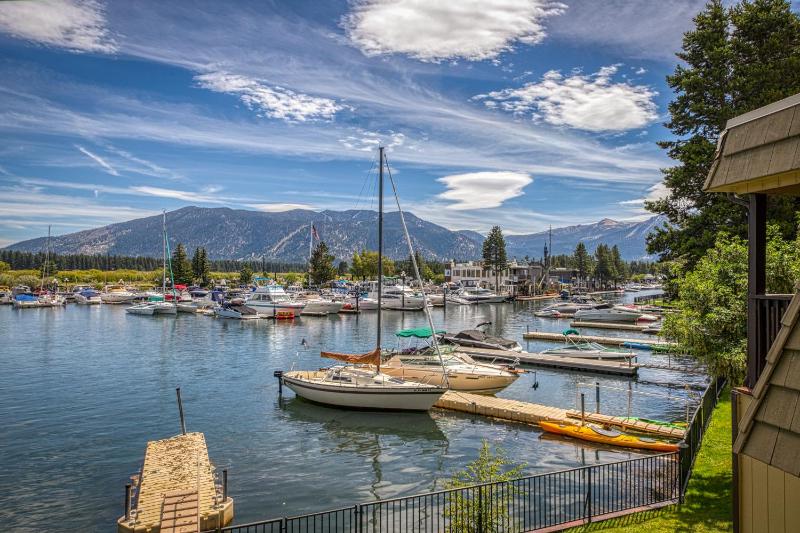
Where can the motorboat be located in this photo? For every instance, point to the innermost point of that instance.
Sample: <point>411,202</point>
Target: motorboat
<point>562,309</point>
<point>362,384</point>
<point>198,292</point>
<point>117,294</point>
<point>28,300</point>
<point>475,338</point>
<point>646,314</point>
<point>401,298</point>
<point>463,373</point>
<point>187,307</point>
<point>316,305</point>
<point>6,298</point>
<point>364,303</point>
<point>269,299</point>
<point>454,298</point>
<point>577,347</point>
<point>479,295</point>
<point>607,313</point>
<point>152,308</point>
<point>237,311</point>
<point>87,296</point>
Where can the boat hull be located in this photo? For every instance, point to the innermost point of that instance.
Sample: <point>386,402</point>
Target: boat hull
<point>419,398</point>
<point>587,354</point>
<point>460,381</point>
<point>626,441</point>
<point>321,308</point>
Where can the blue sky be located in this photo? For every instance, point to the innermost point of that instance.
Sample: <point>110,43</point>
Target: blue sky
<point>523,114</point>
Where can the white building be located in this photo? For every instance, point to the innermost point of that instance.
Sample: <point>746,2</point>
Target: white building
<point>473,273</point>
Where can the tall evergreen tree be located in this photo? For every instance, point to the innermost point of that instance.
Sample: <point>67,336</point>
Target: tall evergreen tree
<point>733,62</point>
<point>604,270</point>
<point>494,254</point>
<point>201,268</point>
<point>620,268</point>
<point>581,261</point>
<point>181,267</point>
<point>321,269</point>
<point>246,275</point>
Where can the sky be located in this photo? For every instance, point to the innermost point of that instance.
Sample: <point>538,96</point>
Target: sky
<point>524,114</point>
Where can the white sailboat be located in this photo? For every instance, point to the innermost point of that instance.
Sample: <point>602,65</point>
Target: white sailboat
<point>157,306</point>
<point>359,386</point>
<point>45,298</point>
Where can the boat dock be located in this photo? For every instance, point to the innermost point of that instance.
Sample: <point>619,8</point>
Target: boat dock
<point>535,298</point>
<point>175,491</point>
<point>608,325</point>
<point>598,366</point>
<point>608,341</point>
<point>532,413</point>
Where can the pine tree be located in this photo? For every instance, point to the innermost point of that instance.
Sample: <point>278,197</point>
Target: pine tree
<point>604,269</point>
<point>201,267</point>
<point>620,268</point>
<point>181,267</point>
<point>581,261</point>
<point>494,254</point>
<point>321,269</point>
<point>733,62</point>
<point>342,268</point>
<point>245,275</point>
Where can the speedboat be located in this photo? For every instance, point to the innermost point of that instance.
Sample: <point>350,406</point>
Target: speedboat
<point>152,308</point>
<point>562,309</point>
<point>401,298</point>
<point>238,311</point>
<point>315,305</point>
<point>269,299</point>
<point>28,300</point>
<point>6,297</point>
<point>364,303</point>
<point>476,338</point>
<point>453,298</point>
<point>87,297</point>
<point>479,295</point>
<point>575,346</point>
<point>607,313</point>
<point>117,294</point>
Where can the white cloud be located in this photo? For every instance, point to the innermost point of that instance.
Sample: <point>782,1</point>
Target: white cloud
<point>279,207</point>
<point>368,141</point>
<point>482,190</point>
<point>185,196</point>
<point>99,160</point>
<point>588,102</point>
<point>433,31</point>
<point>274,102</point>
<point>640,71</point>
<point>656,192</point>
<point>143,166</point>
<point>77,25</point>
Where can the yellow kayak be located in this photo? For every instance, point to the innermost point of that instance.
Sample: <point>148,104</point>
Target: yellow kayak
<point>607,436</point>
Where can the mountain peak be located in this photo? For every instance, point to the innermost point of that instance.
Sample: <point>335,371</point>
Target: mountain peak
<point>607,222</point>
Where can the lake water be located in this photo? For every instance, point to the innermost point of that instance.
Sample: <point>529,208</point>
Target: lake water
<point>82,390</point>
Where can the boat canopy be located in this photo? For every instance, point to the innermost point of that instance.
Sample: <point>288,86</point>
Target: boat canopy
<point>420,333</point>
<point>25,298</point>
<point>570,331</point>
<point>370,358</point>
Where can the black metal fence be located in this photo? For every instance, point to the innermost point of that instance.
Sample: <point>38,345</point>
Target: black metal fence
<point>567,497</point>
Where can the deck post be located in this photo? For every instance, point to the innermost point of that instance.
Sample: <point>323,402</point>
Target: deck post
<point>127,501</point>
<point>756,285</point>
<point>224,485</point>
<point>583,408</point>
<point>180,411</point>
<point>597,396</point>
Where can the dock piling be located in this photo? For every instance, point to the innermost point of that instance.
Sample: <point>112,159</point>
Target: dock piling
<point>583,408</point>
<point>127,501</point>
<point>279,374</point>
<point>224,485</point>
<point>597,396</point>
<point>180,411</point>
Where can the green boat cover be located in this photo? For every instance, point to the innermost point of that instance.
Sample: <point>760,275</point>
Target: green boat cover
<point>420,333</point>
<point>570,332</point>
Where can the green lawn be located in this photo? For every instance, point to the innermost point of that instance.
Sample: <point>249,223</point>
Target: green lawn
<point>707,507</point>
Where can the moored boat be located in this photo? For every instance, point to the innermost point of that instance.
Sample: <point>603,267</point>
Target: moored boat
<point>87,297</point>
<point>237,311</point>
<point>594,433</point>
<point>476,338</point>
<point>575,346</point>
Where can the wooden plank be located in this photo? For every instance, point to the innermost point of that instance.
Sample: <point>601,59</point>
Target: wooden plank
<point>791,502</point>
<point>760,496</point>
<point>775,488</point>
<point>745,493</point>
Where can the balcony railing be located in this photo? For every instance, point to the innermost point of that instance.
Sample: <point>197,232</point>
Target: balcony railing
<point>766,311</point>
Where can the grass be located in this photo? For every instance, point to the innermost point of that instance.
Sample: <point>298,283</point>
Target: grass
<point>707,507</point>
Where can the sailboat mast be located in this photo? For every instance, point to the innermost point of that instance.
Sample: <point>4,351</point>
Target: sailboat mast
<point>164,256</point>
<point>46,265</point>
<point>380,243</point>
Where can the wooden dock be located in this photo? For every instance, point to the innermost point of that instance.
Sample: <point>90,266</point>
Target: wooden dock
<point>608,325</point>
<point>532,413</point>
<point>536,298</point>
<point>176,492</point>
<point>596,366</point>
<point>608,341</point>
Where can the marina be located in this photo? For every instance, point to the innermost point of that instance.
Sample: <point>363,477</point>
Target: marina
<point>609,341</point>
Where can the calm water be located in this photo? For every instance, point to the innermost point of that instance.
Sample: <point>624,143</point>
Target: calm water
<point>82,389</point>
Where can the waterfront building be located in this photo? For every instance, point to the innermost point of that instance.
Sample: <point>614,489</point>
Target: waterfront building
<point>513,280</point>
<point>758,155</point>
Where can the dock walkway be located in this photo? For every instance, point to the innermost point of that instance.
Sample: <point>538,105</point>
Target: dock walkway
<point>532,413</point>
<point>608,325</point>
<point>176,490</point>
<point>608,341</point>
<point>597,366</point>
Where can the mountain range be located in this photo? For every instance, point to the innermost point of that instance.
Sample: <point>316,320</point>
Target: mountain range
<point>254,235</point>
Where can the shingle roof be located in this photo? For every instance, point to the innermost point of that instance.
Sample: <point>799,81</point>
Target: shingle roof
<point>770,428</point>
<point>759,151</point>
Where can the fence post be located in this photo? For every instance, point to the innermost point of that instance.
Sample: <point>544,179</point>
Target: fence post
<point>480,508</point>
<point>589,495</point>
<point>357,513</point>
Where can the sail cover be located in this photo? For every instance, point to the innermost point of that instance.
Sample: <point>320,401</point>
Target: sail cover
<point>420,333</point>
<point>371,358</point>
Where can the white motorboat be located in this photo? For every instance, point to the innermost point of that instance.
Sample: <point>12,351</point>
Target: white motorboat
<point>476,338</point>
<point>87,297</point>
<point>187,307</point>
<point>575,346</point>
<point>401,298</point>
<point>607,313</point>
<point>6,297</point>
<point>237,311</point>
<point>153,308</point>
<point>361,388</point>
<point>356,386</point>
<point>479,295</point>
<point>117,294</point>
<point>453,298</point>
<point>315,305</point>
<point>31,301</point>
<point>562,309</point>
<point>364,303</point>
<point>269,299</point>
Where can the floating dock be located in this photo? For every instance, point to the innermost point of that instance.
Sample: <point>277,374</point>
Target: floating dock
<point>535,298</point>
<point>608,341</point>
<point>608,325</point>
<point>532,413</point>
<point>176,492</point>
<point>597,366</point>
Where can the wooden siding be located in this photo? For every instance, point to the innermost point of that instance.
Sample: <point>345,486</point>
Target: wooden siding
<point>769,499</point>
